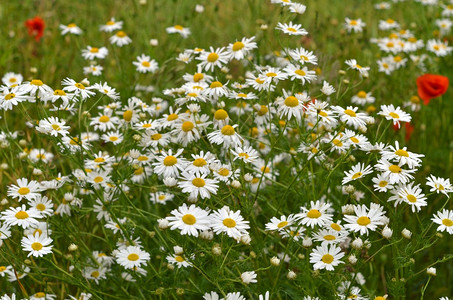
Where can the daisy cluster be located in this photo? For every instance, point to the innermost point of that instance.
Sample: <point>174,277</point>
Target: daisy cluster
<point>219,175</point>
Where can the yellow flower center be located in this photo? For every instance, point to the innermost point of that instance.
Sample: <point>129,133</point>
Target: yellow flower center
<point>323,114</point>
<point>383,183</point>
<point>291,101</point>
<point>230,223</point>
<point>189,219</point>
<point>220,114</point>
<point>143,158</point>
<point>357,175</point>
<point>390,21</point>
<point>329,237</point>
<point>291,29</point>
<point>350,112</point>
<point>36,82</point>
<point>99,160</point>
<point>170,161</point>
<point>243,154</point>
<point>172,117</point>
<point>187,126</point>
<point>363,221</point>
<point>313,214</point>
<point>327,259</point>
<point>36,246</point>
<point>113,138</point>
<point>146,64</point>
<point>402,152</point>
<point>354,140</point>
<point>40,207</point>
<point>121,34</point>
<point>178,27</point>
<point>110,23</point>
<point>265,169</point>
<point>56,127</point>
<point>337,142</point>
<point>2,268</point>
<point>300,72</point>
<point>353,22</point>
<point>156,137</point>
<point>95,274</point>
<point>395,169</point>
<point>98,179</point>
<point>23,191</point>
<point>282,224</point>
<point>263,110</point>
<point>179,258</point>
<point>224,172</point>
<point>192,94</point>
<point>198,182</point>
<point>260,81</point>
<point>227,130</point>
<point>238,46</point>
<point>94,50</point>
<point>213,57</point>
<point>394,115</point>
<point>198,77</point>
<point>104,119</point>
<point>127,115</point>
<point>40,295</point>
<point>335,226</point>
<point>271,74</point>
<point>72,25</point>
<point>133,257</point>
<point>59,93</point>
<point>21,215</point>
<point>361,94</point>
<point>447,222</point>
<point>411,198</point>
<point>215,84</point>
<point>139,171</point>
<point>10,96</point>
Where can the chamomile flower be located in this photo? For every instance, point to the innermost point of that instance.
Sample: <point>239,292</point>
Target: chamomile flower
<point>24,189</point>
<point>112,137</point>
<point>290,106</point>
<point>281,224</point>
<point>445,219</point>
<point>187,131</point>
<point>229,222</point>
<point>302,73</point>
<point>381,183</point>
<point>53,126</point>
<point>105,89</point>
<point>352,63</point>
<point>95,70</point>
<point>363,98</point>
<point>291,29</point>
<point>240,49</point>
<point>132,257</point>
<point>439,185</point>
<point>11,79</point>
<point>161,197</point>
<point>350,116</point>
<point>43,205</point>
<point>179,260</point>
<point>120,39</point>
<point>169,164</point>
<point>198,185</point>
<point>297,8</point>
<point>401,155</point>
<point>111,25</point>
<point>394,114</point>
<point>201,163</point>
<point>92,53</point>
<point>413,196</point>
<point>71,28</point>
<point>330,236</point>
<point>326,257</point>
<point>358,171</point>
<point>183,31</point>
<point>37,245</point>
<point>246,153</point>
<point>315,215</point>
<point>190,220</point>
<point>388,24</point>
<point>227,137</point>
<point>303,56</point>
<point>213,58</point>
<point>355,25</point>
<point>104,121</point>
<point>145,64</point>
<point>71,86</point>
<point>365,218</point>
<point>438,47</point>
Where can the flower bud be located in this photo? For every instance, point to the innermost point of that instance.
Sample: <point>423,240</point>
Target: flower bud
<point>275,261</point>
<point>406,234</point>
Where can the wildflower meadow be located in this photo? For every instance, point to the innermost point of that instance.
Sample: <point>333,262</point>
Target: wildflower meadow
<point>246,149</point>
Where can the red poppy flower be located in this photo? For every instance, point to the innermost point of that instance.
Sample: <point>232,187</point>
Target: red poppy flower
<point>35,27</point>
<point>431,86</point>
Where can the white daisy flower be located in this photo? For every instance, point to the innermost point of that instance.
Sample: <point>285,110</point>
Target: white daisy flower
<point>168,164</point>
<point>213,58</point>
<point>357,172</point>
<point>315,214</point>
<point>445,219</point>
<point>227,136</point>
<point>439,185</point>
<point>291,29</point>
<point>413,196</point>
<point>190,220</point>
<point>37,245</point>
<point>145,64</point>
<point>365,218</point>
<point>24,189</point>
<point>394,114</point>
<point>132,257</point>
<point>198,185</point>
<point>326,257</point>
<point>93,53</point>
<point>229,222</point>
